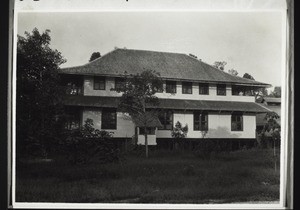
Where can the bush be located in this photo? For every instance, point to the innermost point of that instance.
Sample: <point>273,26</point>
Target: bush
<point>86,144</point>
<point>178,134</point>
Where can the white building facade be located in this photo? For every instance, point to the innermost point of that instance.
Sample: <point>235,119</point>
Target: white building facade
<point>196,94</point>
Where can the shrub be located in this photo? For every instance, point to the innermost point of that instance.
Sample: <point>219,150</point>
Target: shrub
<point>179,133</point>
<point>85,144</point>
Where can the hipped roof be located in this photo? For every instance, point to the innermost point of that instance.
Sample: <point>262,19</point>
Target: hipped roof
<point>172,66</point>
<point>174,104</point>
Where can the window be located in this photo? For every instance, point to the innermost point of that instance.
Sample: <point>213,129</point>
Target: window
<point>99,83</point>
<point>200,121</point>
<point>237,90</point>
<point>170,86</point>
<point>119,82</point>
<point>73,89</point>
<point>203,88</point>
<point>150,131</point>
<point>221,89</point>
<point>166,119</point>
<point>72,124</point>
<point>73,118</point>
<point>187,87</point>
<point>109,119</point>
<point>236,122</point>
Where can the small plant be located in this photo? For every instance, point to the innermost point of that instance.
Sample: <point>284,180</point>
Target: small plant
<point>179,133</point>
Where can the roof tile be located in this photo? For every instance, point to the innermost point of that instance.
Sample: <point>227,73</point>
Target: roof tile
<point>175,66</point>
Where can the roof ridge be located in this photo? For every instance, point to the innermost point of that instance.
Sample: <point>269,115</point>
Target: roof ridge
<point>90,61</point>
<point>151,51</point>
<point>100,57</point>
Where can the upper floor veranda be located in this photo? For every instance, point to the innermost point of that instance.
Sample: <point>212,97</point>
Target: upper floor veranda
<point>173,89</point>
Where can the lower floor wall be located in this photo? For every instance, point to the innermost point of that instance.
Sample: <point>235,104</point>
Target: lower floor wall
<point>151,139</point>
<point>125,126</point>
<point>219,126</point>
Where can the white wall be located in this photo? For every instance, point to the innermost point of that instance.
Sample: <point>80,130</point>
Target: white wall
<point>151,139</point>
<point>125,126</point>
<point>219,126</point>
<point>110,83</point>
<point>89,87</point>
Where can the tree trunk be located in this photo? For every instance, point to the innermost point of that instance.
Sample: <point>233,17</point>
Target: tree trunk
<point>42,140</point>
<point>146,141</point>
<point>275,156</point>
<point>146,131</point>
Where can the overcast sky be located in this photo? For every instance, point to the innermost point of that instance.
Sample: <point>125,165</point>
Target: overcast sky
<point>248,41</point>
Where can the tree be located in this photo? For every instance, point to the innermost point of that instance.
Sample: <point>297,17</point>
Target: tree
<point>138,93</point>
<point>233,72</point>
<point>179,132</point>
<point>248,76</point>
<point>39,97</point>
<point>276,92</point>
<point>273,127</point>
<point>94,56</point>
<point>220,65</point>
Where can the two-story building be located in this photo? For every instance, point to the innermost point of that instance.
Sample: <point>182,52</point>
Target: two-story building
<point>194,93</point>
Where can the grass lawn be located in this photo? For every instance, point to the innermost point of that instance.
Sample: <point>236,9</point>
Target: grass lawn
<point>165,177</point>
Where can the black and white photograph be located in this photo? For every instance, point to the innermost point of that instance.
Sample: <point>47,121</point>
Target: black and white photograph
<point>137,108</point>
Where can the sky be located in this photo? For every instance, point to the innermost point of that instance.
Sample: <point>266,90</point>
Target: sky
<point>250,42</point>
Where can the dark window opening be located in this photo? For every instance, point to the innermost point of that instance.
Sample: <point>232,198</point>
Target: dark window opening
<point>237,90</point>
<point>73,118</point>
<point>150,131</point>
<point>242,90</point>
<point>109,119</point>
<point>166,119</point>
<point>203,88</point>
<point>236,122</point>
<point>221,89</point>
<point>72,123</point>
<point>187,87</point>
<point>73,89</point>
<point>99,83</point>
<point>119,83</point>
<point>73,84</point>
<point>170,87</point>
<point>200,121</point>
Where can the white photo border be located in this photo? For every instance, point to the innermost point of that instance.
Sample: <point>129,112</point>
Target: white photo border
<point>152,6</point>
